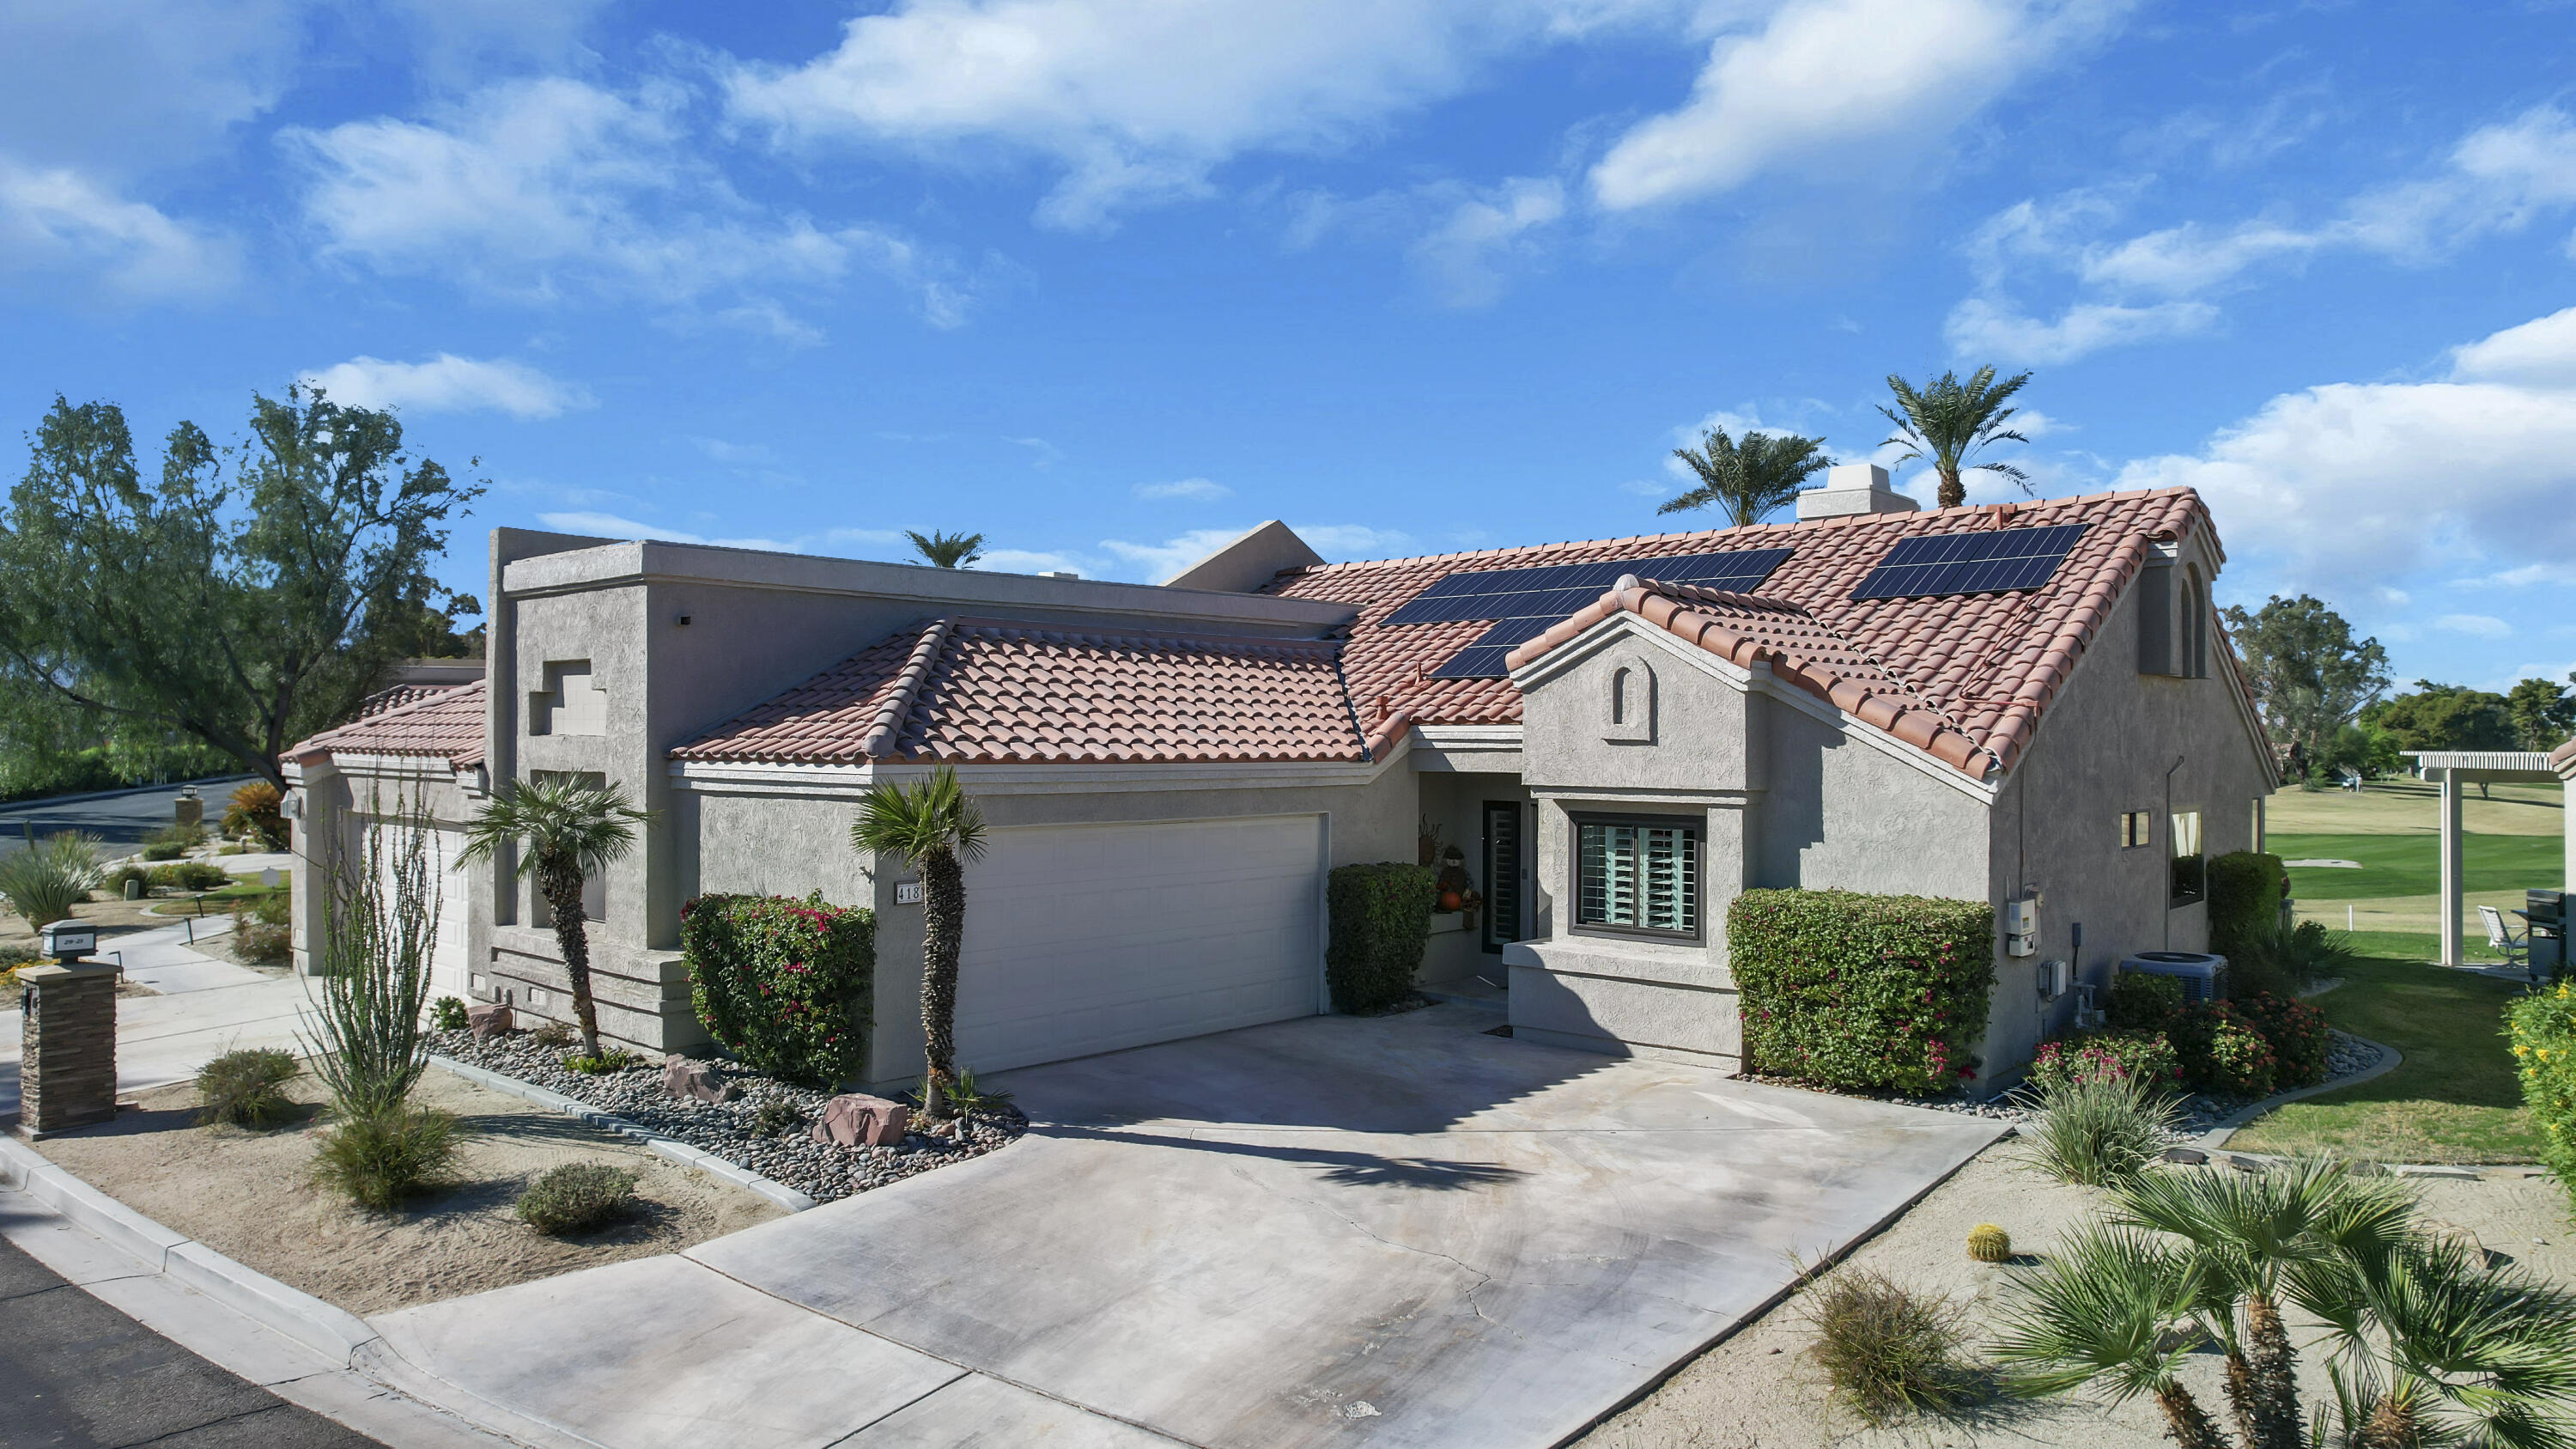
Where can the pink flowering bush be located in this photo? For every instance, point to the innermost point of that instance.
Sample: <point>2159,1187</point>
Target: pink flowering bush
<point>2107,1056</point>
<point>784,985</point>
<point>1862,992</point>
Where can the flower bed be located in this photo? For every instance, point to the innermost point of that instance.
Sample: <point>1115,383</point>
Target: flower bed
<point>822,1171</point>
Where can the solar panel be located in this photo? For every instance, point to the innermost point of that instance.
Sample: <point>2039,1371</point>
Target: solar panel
<point>1991,562</point>
<point>1523,602</point>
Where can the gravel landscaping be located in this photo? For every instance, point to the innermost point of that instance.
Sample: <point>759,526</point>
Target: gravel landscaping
<point>822,1171</point>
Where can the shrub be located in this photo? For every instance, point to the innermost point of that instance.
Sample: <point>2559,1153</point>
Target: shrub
<point>382,1157</point>
<point>965,1096</point>
<point>1988,1243</point>
<point>246,1088</point>
<point>775,1115</point>
<point>2144,1001</point>
<point>578,1197</point>
<point>256,811</point>
<point>2245,890</point>
<point>552,1035</point>
<point>163,850</point>
<point>2097,1132</point>
<point>2228,1053</point>
<point>2141,1056</point>
<point>1887,1349</point>
<point>1860,991</point>
<point>189,875</point>
<point>262,930</point>
<point>786,986</point>
<point>2296,1033</point>
<point>1381,919</point>
<point>2542,1028</point>
<point>447,1013</point>
<point>2286,961</point>
<point>610,1059</point>
<point>50,876</point>
<point>373,965</point>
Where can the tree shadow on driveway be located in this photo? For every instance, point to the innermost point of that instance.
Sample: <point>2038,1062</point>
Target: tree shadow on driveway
<point>1341,1168</point>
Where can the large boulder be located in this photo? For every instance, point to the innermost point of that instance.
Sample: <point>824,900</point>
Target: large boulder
<point>696,1081</point>
<point>857,1120</point>
<point>488,1020</point>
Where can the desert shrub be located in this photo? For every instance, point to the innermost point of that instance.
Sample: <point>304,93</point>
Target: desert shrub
<point>15,955</point>
<point>2144,1001</point>
<point>2296,1033</point>
<point>447,1013</point>
<point>114,884</point>
<point>965,1096</point>
<point>610,1059</point>
<point>2286,961</point>
<point>1380,918</point>
<point>262,930</point>
<point>1887,1349</point>
<point>2245,890</point>
<point>189,875</point>
<point>2096,1132</point>
<point>246,1088</point>
<point>2143,1056</point>
<point>372,962</point>
<point>43,881</point>
<point>775,1115</point>
<point>163,850</point>
<point>785,985</point>
<point>578,1197</point>
<point>552,1035</point>
<point>256,811</point>
<point>382,1157</point>
<point>2542,1028</point>
<point>1862,991</point>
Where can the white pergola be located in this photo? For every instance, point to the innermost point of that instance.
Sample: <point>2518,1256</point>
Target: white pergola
<point>2454,768</point>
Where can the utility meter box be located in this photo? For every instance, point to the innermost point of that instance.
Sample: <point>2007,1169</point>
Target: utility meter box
<point>2021,926</point>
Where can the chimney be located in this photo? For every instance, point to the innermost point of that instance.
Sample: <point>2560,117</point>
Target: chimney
<point>1852,488</point>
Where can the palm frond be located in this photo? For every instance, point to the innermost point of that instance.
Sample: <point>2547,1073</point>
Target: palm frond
<point>915,820</point>
<point>2112,1307</point>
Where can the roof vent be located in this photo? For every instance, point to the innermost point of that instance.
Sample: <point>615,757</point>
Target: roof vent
<point>1853,488</point>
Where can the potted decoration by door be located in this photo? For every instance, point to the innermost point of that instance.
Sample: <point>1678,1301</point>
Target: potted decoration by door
<point>1452,882</point>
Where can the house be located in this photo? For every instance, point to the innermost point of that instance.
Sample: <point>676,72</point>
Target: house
<point>2017,703</point>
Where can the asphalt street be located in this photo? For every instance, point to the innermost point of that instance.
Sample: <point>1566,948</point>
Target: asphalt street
<point>77,1374</point>
<point>121,819</point>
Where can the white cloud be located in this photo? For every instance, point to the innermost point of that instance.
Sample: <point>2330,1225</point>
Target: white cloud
<point>610,525</point>
<point>61,221</point>
<point>1340,541</point>
<point>448,383</point>
<point>2358,484</point>
<point>139,84</point>
<point>1197,490</point>
<point>2499,178</point>
<point>1029,561</point>
<point>735,453</point>
<point>1465,256</point>
<point>1160,561</point>
<point>538,188</point>
<point>2483,626</point>
<point>1826,76</point>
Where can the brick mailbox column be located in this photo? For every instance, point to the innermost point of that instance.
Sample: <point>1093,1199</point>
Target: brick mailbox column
<point>67,1068</point>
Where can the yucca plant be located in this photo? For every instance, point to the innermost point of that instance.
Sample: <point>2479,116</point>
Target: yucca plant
<point>44,880</point>
<point>933,827</point>
<point>570,832</point>
<point>2095,1131</point>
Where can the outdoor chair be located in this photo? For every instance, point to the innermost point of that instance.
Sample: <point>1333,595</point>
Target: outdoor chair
<point>2500,937</point>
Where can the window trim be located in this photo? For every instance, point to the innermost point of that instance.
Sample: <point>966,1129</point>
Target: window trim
<point>1696,824</point>
<point>2145,821</point>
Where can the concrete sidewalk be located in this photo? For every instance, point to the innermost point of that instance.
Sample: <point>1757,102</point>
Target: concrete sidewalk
<point>209,1007</point>
<point>1325,1232</point>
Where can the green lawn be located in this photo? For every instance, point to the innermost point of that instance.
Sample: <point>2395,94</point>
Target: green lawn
<point>2454,1099</point>
<point>2411,865</point>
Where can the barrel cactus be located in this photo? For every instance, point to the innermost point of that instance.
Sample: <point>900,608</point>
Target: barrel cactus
<point>1989,1244</point>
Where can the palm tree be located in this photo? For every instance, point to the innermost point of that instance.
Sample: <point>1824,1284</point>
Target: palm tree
<point>1948,420</point>
<point>947,550</point>
<point>1750,478</point>
<point>2117,1309</point>
<point>2434,1346</point>
<point>573,831</point>
<point>932,826</point>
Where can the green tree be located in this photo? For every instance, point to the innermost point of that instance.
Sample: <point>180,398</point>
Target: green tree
<point>572,831</point>
<point>250,597</point>
<point>2445,717</point>
<point>1949,421</point>
<point>947,550</point>
<point>1748,479</point>
<point>2543,714</point>
<point>2310,677</point>
<point>933,827</point>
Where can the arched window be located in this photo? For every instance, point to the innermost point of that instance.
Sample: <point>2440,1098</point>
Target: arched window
<point>1622,680</point>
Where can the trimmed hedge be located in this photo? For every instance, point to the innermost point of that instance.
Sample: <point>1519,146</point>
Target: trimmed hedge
<point>2297,1033</point>
<point>1862,991</point>
<point>1381,918</point>
<point>2245,890</point>
<point>785,985</point>
<point>2542,1027</point>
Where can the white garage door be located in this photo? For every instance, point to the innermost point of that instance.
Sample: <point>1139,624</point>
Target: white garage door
<point>448,969</point>
<point>1084,939</point>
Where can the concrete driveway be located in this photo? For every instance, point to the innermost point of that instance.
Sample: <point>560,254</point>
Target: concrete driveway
<point>1324,1232</point>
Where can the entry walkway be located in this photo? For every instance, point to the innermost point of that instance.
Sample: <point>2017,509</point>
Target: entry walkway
<point>208,1007</point>
<point>1398,1231</point>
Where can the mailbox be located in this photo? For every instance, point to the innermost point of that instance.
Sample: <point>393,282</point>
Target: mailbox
<point>67,940</point>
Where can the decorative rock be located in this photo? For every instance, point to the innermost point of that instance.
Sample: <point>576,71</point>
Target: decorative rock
<point>696,1081</point>
<point>2186,1156</point>
<point>488,1020</point>
<point>2244,1164</point>
<point>855,1119</point>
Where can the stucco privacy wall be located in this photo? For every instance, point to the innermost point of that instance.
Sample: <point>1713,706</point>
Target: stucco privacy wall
<point>340,801</point>
<point>2103,748</point>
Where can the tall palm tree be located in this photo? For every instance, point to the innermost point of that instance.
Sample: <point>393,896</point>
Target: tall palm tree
<point>2117,1309</point>
<point>947,550</point>
<point>1750,478</point>
<point>1948,420</point>
<point>933,827</point>
<point>572,832</point>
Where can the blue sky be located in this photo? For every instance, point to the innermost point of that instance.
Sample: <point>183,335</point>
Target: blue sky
<point>1109,280</point>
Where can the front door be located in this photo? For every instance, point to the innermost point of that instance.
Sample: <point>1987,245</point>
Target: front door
<point>1502,874</point>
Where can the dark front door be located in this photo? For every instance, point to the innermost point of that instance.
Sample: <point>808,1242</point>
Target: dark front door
<point>1503,873</point>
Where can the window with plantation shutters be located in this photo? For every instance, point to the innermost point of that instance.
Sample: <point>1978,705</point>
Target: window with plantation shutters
<point>1637,875</point>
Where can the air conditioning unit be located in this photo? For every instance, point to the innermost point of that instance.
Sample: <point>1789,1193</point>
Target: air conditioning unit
<point>2198,970</point>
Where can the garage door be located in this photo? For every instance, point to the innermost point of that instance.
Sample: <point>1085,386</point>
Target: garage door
<point>448,957</point>
<point>1084,939</point>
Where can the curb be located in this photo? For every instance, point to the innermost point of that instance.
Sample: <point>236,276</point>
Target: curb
<point>669,1147</point>
<point>334,1333</point>
<point>2216,1137</point>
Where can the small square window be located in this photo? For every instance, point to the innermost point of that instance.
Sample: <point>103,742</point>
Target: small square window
<point>2190,869</point>
<point>1637,875</point>
<point>2137,827</point>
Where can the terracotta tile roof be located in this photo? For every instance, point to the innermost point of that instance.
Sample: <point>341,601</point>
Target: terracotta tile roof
<point>398,696</point>
<point>1974,669</point>
<point>446,724</point>
<point>994,692</point>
